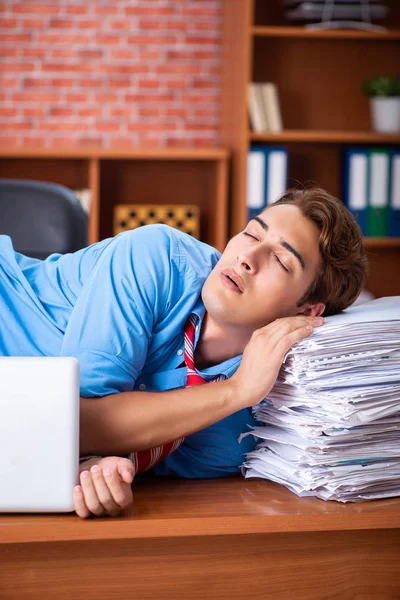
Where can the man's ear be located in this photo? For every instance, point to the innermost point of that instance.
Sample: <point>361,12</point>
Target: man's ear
<point>312,310</point>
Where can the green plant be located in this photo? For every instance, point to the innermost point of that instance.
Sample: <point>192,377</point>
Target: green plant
<point>382,85</point>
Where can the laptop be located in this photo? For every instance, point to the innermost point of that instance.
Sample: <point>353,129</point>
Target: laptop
<point>39,433</point>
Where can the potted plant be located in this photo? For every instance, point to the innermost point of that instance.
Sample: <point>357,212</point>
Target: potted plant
<point>384,93</point>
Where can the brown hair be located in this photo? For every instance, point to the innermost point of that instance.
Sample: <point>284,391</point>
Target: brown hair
<point>344,264</point>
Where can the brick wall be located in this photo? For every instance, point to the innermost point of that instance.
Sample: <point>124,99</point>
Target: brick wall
<point>109,72</point>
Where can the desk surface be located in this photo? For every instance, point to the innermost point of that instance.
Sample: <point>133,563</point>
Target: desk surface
<point>172,507</point>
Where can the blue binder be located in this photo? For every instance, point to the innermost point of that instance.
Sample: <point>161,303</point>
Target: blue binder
<point>394,194</point>
<point>355,184</point>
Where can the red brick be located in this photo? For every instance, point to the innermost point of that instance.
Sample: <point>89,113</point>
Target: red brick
<point>151,126</point>
<point>177,112</point>
<point>34,24</point>
<point>8,111</point>
<point>61,67</point>
<point>16,126</point>
<point>179,55</point>
<point>155,24</point>
<point>56,111</point>
<point>178,142</point>
<point>63,53</point>
<point>6,23</point>
<point>123,68</point>
<point>118,142</point>
<point>63,82</point>
<point>34,142</point>
<point>149,98</point>
<point>76,97</point>
<point>125,24</point>
<point>202,40</point>
<point>34,52</point>
<point>8,52</point>
<point>63,38</point>
<point>91,83</point>
<point>17,67</point>
<point>204,55</point>
<point>206,26</point>
<point>206,113</point>
<point>176,84</point>
<point>96,25</point>
<point>90,53</point>
<point>36,8</point>
<point>63,126</point>
<point>16,38</point>
<point>90,142</point>
<point>104,127</point>
<point>179,69</point>
<point>109,40</point>
<point>122,54</point>
<point>200,11</point>
<point>9,141</point>
<point>61,24</point>
<point>149,55</point>
<point>8,82</point>
<point>106,98</point>
<point>90,112</point>
<point>76,9</point>
<point>35,82</point>
<point>149,84</point>
<point>106,10</point>
<point>200,126</point>
<point>178,26</point>
<point>36,97</point>
<point>149,112</point>
<point>34,112</point>
<point>120,112</point>
<point>119,83</point>
<point>159,11</point>
<point>157,40</point>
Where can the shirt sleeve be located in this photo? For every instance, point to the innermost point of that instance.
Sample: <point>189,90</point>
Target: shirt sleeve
<point>111,324</point>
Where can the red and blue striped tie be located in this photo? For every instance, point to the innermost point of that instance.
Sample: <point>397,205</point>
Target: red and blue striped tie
<point>146,459</point>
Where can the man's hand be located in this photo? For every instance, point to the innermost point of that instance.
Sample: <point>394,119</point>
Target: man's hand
<point>263,356</point>
<point>105,486</point>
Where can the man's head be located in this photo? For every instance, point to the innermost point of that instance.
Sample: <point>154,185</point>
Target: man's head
<point>301,255</point>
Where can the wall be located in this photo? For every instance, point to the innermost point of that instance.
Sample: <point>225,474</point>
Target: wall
<point>110,73</point>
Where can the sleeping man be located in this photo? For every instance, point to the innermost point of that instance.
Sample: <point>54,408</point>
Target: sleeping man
<point>152,314</point>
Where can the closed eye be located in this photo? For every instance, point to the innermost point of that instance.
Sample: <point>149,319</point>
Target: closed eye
<point>282,266</point>
<point>249,235</point>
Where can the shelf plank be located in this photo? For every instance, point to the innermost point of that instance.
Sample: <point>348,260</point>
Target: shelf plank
<point>321,136</point>
<point>118,154</point>
<point>334,34</point>
<point>381,242</point>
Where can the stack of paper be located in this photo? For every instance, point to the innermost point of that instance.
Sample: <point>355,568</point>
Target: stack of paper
<point>330,427</point>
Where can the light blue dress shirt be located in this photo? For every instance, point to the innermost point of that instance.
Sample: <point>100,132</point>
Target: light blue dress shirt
<point>120,307</point>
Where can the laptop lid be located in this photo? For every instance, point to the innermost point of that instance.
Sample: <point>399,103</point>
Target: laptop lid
<point>39,433</point>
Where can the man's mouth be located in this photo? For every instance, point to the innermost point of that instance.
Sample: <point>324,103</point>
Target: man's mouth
<point>233,280</point>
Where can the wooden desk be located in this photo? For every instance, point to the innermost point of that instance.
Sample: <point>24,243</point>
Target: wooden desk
<point>233,538</point>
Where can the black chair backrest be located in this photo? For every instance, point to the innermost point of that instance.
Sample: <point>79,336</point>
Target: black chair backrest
<point>41,218</point>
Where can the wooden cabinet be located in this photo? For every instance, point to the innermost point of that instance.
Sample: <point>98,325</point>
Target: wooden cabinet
<point>185,176</point>
<point>319,75</point>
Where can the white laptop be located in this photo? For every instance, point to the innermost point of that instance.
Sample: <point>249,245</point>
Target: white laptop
<point>39,433</point>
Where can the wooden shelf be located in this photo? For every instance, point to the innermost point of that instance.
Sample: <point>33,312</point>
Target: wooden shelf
<point>381,242</point>
<point>118,154</point>
<point>325,137</point>
<point>333,34</point>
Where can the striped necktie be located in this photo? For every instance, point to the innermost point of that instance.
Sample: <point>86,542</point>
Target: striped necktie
<point>147,459</point>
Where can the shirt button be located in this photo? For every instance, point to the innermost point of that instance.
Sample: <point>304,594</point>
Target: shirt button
<point>142,386</point>
<point>180,352</point>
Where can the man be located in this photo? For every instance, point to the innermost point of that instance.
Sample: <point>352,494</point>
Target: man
<point>121,307</point>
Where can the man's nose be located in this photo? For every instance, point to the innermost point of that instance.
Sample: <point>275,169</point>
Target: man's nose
<point>248,261</point>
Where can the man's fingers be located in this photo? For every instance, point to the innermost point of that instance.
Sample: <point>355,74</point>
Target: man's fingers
<point>79,503</point>
<point>126,470</point>
<point>103,493</point>
<point>120,491</point>
<point>90,495</point>
<point>287,341</point>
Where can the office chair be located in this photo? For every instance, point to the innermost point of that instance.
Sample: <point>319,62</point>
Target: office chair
<point>41,218</point>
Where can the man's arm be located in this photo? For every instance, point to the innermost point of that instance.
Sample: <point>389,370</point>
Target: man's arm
<point>130,421</point>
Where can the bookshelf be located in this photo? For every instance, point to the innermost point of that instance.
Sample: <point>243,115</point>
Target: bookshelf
<point>158,176</point>
<point>319,76</point>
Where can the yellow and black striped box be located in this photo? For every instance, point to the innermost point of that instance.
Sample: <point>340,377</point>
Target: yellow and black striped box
<point>181,216</point>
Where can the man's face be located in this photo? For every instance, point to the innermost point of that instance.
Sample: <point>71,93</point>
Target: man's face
<point>264,271</point>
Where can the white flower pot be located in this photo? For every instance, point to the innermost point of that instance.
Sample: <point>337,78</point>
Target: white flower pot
<point>385,114</point>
